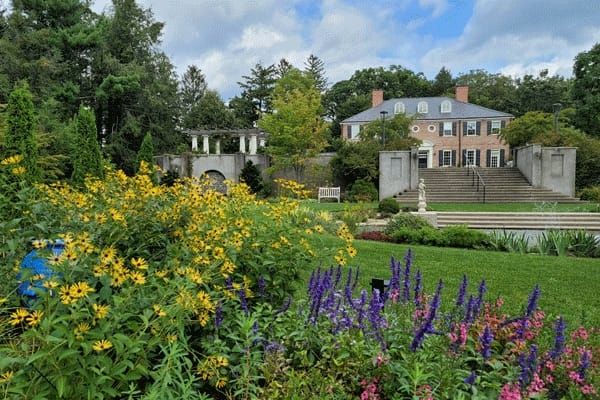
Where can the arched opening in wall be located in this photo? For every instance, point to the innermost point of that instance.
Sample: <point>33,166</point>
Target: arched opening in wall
<point>217,180</point>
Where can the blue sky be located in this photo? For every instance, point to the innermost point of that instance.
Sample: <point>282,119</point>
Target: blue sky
<point>225,38</point>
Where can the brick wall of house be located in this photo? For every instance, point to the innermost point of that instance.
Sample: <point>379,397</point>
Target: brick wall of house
<point>429,131</point>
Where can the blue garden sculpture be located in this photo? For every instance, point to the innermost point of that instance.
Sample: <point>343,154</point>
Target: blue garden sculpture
<point>35,265</point>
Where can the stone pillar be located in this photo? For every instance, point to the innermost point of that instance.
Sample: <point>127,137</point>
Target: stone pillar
<point>261,142</point>
<point>218,146</point>
<point>194,143</point>
<point>205,145</point>
<point>252,144</point>
<point>242,143</point>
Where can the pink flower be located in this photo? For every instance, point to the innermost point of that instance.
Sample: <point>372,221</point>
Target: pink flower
<point>574,376</point>
<point>510,391</point>
<point>588,389</point>
<point>537,384</point>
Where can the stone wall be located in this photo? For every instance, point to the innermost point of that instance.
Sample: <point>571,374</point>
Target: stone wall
<point>398,172</point>
<point>548,167</point>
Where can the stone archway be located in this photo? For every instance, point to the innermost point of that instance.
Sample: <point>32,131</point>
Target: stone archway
<point>217,180</point>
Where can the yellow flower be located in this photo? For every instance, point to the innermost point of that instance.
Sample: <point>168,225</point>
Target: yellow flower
<point>3,300</point>
<point>50,284</point>
<point>100,311</point>
<point>108,255</point>
<point>12,160</point>
<point>351,251</point>
<point>81,329</point>
<point>171,338</point>
<point>221,361</point>
<point>6,376</point>
<point>137,277</point>
<point>18,316</point>
<point>34,318</point>
<point>139,263</point>
<point>101,345</point>
<point>158,310</point>
<point>318,228</point>
<point>221,382</point>
<point>80,290</point>
<point>203,319</point>
<point>18,170</point>
<point>38,244</point>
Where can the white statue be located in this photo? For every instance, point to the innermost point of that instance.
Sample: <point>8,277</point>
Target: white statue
<point>422,205</point>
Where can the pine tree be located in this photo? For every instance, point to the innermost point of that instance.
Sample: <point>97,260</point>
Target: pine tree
<point>20,138</point>
<point>193,86</point>
<point>258,87</point>
<point>315,67</point>
<point>442,83</point>
<point>146,152</point>
<point>251,176</point>
<point>283,67</point>
<point>87,157</point>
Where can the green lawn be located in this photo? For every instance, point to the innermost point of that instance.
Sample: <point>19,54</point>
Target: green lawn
<point>569,285</point>
<point>471,207</point>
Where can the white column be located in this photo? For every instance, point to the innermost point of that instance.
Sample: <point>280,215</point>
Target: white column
<point>218,146</point>
<point>194,143</point>
<point>242,143</point>
<point>205,146</point>
<point>252,144</point>
<point>261,142</point>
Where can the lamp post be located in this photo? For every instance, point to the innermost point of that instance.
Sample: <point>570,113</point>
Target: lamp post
<point>383,114</point>
<point>556,107</point>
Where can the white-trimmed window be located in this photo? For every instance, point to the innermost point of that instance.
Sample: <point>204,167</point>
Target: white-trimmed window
<point>415,128</point>
<point>431,128</point>
<point>495,127</point>
<point>354,131</point>
<point>471,128</point>
<point>470,156</point>
<point>446,158</point>
<point>422,107</point>
<point>446,106</point>
<point>399,108</point>
<point>447,128</point>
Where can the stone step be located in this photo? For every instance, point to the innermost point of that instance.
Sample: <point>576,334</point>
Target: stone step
<point>527,220</point>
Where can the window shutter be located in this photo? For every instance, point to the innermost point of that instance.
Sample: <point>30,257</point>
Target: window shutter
<point>478,157</point>
<point>441,158</point>
<point>454,158</point>
<point>488,158</point>
<point>464,128</point>
<point>349,131</point>
<point>478,128</point>
<point>441,131</point>
<point>454,128</point>
<point>489,127</point>
<point>502,124</point>
<point>464,158</point>
<point>501,157</point>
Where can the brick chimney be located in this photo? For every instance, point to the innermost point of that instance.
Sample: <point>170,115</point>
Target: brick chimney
<point>462,93</point>
<point>377,97</point>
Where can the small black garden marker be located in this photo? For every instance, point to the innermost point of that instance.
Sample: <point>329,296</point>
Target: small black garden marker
<point>380,285</point>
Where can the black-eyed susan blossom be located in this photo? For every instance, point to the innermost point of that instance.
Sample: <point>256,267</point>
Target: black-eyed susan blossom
<point>100,311</point>
<point>34,318</point>
<point>6,376</point>
<point>18,316</point>
<point>101,345</point>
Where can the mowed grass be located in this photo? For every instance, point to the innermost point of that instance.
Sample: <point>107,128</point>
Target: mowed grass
<point>570,286</point>
<point>469,207</point>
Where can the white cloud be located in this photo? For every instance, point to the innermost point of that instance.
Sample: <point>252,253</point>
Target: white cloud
<point>518,37</point>
<point>438,6</point>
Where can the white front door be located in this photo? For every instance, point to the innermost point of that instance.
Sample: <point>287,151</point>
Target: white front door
<point>495,159</point>
<point>470,157</point>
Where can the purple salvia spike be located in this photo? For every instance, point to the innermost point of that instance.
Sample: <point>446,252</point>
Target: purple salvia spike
<point>338,276</point>
<point>406,289</point>
<point>418,288</point>
<point>355,279</point>
<point>559,338</point>
<point>584,364</point>
<point>485,340</point>
<point>460,298</point>
<point>533,299</point>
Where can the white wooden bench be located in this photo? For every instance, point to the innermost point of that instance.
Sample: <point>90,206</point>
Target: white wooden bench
<point>329,193</point>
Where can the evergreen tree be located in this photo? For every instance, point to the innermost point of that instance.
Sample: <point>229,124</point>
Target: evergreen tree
<point>442,83</point>
<point>243,111</point>
<point>146,152</point>
<point>20,137</point>
<point>258,87</point>
<point>586,90</point>
<point>192,87</point>
<point>315,67</point>
<point>251,176</point>
<point>87,157</point>
<point>283,67</point>
<point>209,113</point>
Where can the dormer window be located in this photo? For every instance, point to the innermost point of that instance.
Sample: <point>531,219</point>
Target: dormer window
<point>422,107</point>
<point>446,106</point>
<point>399,108</point>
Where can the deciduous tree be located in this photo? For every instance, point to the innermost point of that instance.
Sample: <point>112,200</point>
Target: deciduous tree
<point>586,90</point>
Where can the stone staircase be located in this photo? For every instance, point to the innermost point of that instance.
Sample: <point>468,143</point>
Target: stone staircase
<point>530,221</point>
<point>503,185</point>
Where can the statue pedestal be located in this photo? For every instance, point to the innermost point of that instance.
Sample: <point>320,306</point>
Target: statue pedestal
<point>430,216</point>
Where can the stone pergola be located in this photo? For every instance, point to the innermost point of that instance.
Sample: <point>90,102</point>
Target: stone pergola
<point>254,136</point>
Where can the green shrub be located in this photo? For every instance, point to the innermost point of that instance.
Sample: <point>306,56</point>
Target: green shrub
<point>462,236</point>
<point>169,178</point>
<point>389,205</point>
<point>591,193</point>
<point>363,190</point>
<point>405,220</point>
<point>251,176</point>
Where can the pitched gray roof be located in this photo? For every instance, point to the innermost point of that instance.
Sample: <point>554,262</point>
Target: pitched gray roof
<point>459,109</point>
